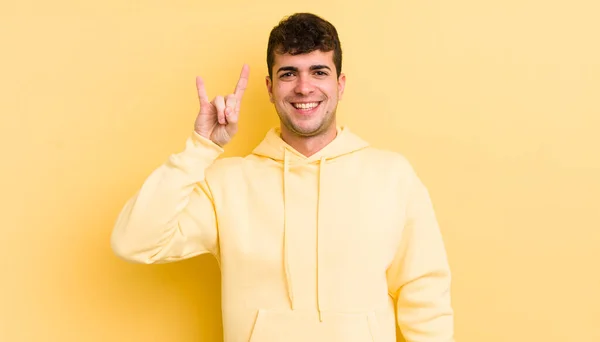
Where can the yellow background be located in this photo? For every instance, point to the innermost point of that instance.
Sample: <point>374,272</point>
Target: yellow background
<point>496,103</point>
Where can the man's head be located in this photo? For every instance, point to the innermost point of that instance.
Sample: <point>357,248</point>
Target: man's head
<point>305,82</point>
<point>302,33</point>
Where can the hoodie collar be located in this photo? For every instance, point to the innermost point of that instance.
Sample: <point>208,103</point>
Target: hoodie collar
<point>273,146</point>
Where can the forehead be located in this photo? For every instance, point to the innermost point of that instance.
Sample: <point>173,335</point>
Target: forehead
<point>304,61</point>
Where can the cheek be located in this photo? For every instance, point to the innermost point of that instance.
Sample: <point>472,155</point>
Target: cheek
<point>331,89</point>
<point>282,87</point>
<point>279,92</point>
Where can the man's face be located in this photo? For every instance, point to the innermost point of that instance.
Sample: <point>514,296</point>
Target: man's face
<point>305,90</point>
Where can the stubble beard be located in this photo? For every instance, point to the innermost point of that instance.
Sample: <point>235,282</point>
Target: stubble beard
<point>325,122</point>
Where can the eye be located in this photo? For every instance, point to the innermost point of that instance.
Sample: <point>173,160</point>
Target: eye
<point>321,73</point>
<point>286,75</point>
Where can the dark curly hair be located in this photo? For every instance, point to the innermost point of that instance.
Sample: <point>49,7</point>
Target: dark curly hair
<point>303,33</point>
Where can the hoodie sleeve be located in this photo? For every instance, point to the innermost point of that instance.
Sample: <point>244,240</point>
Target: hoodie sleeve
<point>419,277</point>
<point>172,216</point>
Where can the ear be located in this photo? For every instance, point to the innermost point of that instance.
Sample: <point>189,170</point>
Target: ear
<point>341,85</point>
<point>269,85</point>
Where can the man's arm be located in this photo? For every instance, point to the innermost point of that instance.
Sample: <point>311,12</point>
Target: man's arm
<point>172,216</point>
<point>419,277</point>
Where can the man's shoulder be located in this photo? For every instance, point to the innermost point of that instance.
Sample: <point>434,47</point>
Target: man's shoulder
<point>386,157</point>
<point>392,167</point>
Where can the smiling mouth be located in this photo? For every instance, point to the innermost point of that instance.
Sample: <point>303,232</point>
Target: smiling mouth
<point>306,105</point>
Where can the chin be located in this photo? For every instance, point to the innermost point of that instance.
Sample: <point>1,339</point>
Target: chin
<point>304,126</point>
<point>308,129</point>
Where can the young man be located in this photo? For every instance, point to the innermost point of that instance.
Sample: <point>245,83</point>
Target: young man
<point>319,236</point>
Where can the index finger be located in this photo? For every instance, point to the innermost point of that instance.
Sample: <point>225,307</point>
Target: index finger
<point>201,90</point>
<point>242,82</point>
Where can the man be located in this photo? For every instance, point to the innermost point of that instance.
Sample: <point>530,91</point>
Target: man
<point>319,236</point>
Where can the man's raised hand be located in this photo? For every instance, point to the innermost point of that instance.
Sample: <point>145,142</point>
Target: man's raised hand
<point>218,119</point>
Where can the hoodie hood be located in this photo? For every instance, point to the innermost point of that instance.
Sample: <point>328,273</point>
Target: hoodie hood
<point>273,147</point>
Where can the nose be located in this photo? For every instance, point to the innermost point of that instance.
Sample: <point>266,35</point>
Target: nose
<point>304,85</point>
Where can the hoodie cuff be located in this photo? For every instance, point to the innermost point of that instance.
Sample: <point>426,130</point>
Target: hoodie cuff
<point>196,141</point>
<point>198,154</point>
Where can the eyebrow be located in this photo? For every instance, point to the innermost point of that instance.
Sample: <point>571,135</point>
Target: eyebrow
<point>312,68</point>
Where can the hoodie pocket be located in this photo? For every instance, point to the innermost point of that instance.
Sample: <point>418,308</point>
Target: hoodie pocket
<point>298,326</point>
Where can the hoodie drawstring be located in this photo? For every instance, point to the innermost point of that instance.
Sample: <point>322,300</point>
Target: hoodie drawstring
<point>288,274</point>
<point>319,207</point>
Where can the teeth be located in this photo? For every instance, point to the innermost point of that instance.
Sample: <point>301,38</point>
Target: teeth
<point>306,105</point>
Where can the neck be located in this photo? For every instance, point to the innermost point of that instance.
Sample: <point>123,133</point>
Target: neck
<point>309,145</point>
